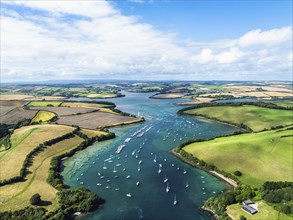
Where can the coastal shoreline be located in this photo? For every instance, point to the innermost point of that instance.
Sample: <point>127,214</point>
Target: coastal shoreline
<point>227,180</point>
<point>232,184</point>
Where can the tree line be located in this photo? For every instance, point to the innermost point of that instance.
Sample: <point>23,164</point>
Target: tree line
<point>214,104</point>
<point>29,158</point>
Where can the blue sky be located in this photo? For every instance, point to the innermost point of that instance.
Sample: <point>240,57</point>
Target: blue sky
<point>146,39</point>
<point>211,20</point>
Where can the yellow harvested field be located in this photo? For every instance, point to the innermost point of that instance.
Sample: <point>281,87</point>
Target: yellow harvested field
<point>23,140</point>
<point>254,94</point>
<point>204,100</point>
<point>276,89</point>
<point>169,96</point>
<point>220,94</point>
<point>15,97</point>
<point>279,94</point>
<point>16,196</point>
<point>94,95</point>
<point>81,105</point>
<point>46,98</point>
<point>242,88</point>
<point>92,133</point>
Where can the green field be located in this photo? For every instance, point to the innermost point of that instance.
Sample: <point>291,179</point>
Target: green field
<point>263,156</point>
<point>43,103</point>
<point>284,104</point>
<point>43,116</point>
<point>265,212</point>
<point>23,141</point>
<point>16,196</point>
<point>256,118</point>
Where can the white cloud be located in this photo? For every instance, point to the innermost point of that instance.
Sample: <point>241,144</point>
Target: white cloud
<point>93,39</point>
<point>267,38</point>
<point>230,56</point>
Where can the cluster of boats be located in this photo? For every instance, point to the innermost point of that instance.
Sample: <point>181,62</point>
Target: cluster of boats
<point>135,153</point>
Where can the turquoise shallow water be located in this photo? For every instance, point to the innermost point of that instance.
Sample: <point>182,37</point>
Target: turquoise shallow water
<point>149,200</point>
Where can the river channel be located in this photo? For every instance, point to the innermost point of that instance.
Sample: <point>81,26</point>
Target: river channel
<point>146,159</point>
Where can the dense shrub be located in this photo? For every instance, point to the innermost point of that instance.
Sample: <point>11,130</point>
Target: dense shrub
<point>237,173</point>
<point>35,199</point>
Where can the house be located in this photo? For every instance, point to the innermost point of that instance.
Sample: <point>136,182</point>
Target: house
<point>250,210</point>
<point>248,202</point>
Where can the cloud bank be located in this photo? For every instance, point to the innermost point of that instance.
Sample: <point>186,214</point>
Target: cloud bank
<point>44,40</point>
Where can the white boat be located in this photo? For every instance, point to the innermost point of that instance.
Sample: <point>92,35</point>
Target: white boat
<point>102,177</point>
<point>159,171</point>
<point>155,160</point>
<point>167,188</point>
<point>118,164</point>
<point>165,159</point>
<point>114,171</point>
<point>160,165</point>
<point>99,174</point>
<point>116,189</point>
<point>104,167</point>
<point>175,201</point>
<point>116,177</point>
<point>140,162</point>
<point>128,195</point>
<point>137,183</point>
<point>123,169</point>
<point>184,172</point>
<point>136,156</point>
<point>138,169</point>
<point>187,185</point>
<point>119,149</point>
<point>99,184</point>
<point>127,140</point>
<point>108,187</point>
<point>128,177</point>
<point>108,181</point>
<point>173,165</point>
<point>178,168</point>
<point>133,152</point>
<point>81,183</point>
<point>165,180</point>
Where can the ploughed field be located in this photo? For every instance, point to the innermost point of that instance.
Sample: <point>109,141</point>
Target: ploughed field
<point>83,114</point>
<point>62,111</point>
<point>17,114</point>
<point>256,118</point>
<point>96,119</point>
<point>260,157</point>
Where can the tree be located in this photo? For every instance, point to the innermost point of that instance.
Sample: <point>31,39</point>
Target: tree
<point>35,199</point>
<point>242,217</point>
<point>237,173</point>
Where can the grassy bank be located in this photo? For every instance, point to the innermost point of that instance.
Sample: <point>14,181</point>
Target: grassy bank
<point>257,156</point>
<point>255,117</point>
<point>265,212</point>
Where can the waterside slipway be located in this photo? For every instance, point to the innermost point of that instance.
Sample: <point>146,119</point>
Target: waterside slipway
<point>135,172</point>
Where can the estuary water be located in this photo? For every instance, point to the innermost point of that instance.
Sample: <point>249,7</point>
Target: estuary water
<point>146,159</point>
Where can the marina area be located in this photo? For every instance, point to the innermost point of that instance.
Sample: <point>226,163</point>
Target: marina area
<point>135,172</point>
